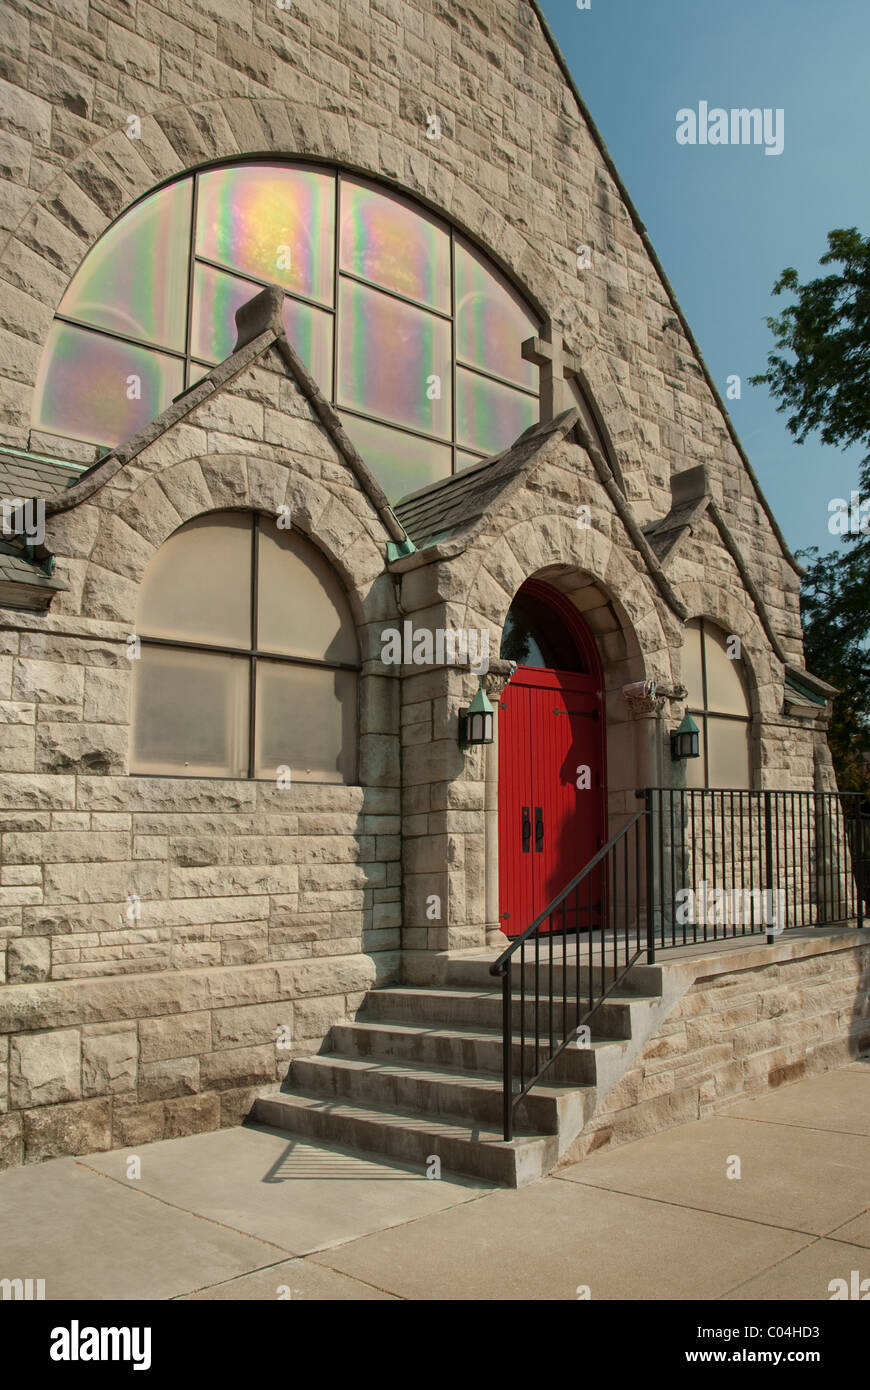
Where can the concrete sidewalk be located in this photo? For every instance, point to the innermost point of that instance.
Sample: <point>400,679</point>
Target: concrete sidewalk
<point>244,1213</point>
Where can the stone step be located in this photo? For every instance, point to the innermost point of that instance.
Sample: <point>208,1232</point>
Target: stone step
<point>474,972</point>
<point>437,1091</point>
<point>464,1147</point>
<point>469,1049</point>
<point>468,1007</point>
<point>418,1073</point>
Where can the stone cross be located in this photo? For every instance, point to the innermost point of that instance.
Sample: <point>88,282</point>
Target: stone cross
<point>557,366</point>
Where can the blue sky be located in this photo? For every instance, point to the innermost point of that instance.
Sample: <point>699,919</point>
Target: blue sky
<point>725,220</point>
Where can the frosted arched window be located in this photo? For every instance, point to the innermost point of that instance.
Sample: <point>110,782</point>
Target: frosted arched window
<point>718,703</point>
<point>249,658</point>
<point>411,332</point>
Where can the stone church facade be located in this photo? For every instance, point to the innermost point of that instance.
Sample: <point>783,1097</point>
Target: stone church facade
<point>171,941</point>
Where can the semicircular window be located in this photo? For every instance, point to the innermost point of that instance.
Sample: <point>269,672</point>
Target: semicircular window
<point>534,635</point>
<point>408,329</point>
<point>248,660</point>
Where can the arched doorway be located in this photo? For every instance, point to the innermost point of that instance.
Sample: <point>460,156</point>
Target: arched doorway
<point>551,759</point>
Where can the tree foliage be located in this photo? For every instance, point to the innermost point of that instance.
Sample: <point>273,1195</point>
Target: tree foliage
<point>834,611</point>
<point>825,388</point>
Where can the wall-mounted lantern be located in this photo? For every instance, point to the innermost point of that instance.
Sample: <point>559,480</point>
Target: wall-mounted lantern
<point>686,740</point>
<point>476,722</point>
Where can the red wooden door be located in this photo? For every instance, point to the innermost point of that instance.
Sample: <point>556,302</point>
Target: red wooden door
<point>551,822</point>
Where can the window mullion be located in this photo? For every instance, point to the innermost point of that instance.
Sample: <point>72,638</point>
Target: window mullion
<point>453,446</point>
<point>191,277</point>
<point>336,233</point>
<point>252,696</point>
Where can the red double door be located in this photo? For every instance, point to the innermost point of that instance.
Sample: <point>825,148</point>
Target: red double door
<point>550,744</point>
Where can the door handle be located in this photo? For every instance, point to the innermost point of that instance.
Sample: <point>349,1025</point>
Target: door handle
<point>539,829</point>
<point>527,830</point>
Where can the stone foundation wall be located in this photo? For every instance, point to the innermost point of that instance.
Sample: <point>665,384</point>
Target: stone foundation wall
<point>157,933</point>
<point>102,1064</point>
<point>737,1034</point>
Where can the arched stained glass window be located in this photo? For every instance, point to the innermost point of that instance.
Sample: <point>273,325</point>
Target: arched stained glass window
<point>249,657</point>
<point>718,702</point>
<point>535,635</point>
<point>406,327</point>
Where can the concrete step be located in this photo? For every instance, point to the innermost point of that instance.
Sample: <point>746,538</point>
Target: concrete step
<point>418,1073</point>
<point>474,971</point>
<point>437,1091</point>
<point>467,1007</point>
<point>463,1146</point>
<point>468,1049</point>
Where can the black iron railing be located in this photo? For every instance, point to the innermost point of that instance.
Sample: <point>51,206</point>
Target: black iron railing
<point>570,959</point>
<point>691,866</point>
<point>723,864</point>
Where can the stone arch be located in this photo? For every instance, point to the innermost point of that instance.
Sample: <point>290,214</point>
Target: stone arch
<point>723,608</point>
<point>127,527</point>
<point>133,525</point>
<point>551,547</point>
<point>625,615</point>
<point>764,688</point>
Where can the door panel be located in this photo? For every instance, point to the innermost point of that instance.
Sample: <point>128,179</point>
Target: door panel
<point>550,726</point>
<point>565,725</point>
<point>515,811</point>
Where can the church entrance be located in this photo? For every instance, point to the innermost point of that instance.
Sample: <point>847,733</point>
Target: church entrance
<point>551,774</point>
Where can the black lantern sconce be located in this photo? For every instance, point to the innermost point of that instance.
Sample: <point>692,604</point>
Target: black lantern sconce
<point>686,740</point>
<point>476,722</point>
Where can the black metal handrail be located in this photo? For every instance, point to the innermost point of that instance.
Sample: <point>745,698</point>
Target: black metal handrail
<point>768,861</point>
<point>725,863</point>
<point>610,919</point>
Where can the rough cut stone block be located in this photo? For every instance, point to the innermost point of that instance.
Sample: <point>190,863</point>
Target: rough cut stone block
<point>191,1115</point>
<point>133,54</point>
<point>17,747</point>
<point>81,748</point>
<point>235,879</point>
<point>27,116</point>
<point>20,875</point>
<point>105,882</point>
<point>176,1035</point>
<point>175,1077</point>
<point>47,681</point>
<point>236,1104</point>
<point>67,847</point>
<point>11,1141</point>
<point>28,958</point>
<point>109,1060</point>
<point>45,1068</point>
<point>137,1122</point>
<point>252,1024</point>
<point>107,696</point>
<point>313,1018</point>
<point>15,712</point>
<point>241,1066</point>
<point>162,794</point>
<point>81,1127</point>
<point>20,896</point>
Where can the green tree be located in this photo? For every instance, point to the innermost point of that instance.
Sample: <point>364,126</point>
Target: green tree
<point>834,610</point>
<point>825,388</point>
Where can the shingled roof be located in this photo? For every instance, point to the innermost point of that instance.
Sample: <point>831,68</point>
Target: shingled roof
<point>34,475</point>
<point>26,577</point>
<point>25,582</point>
<point>454,504</point>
